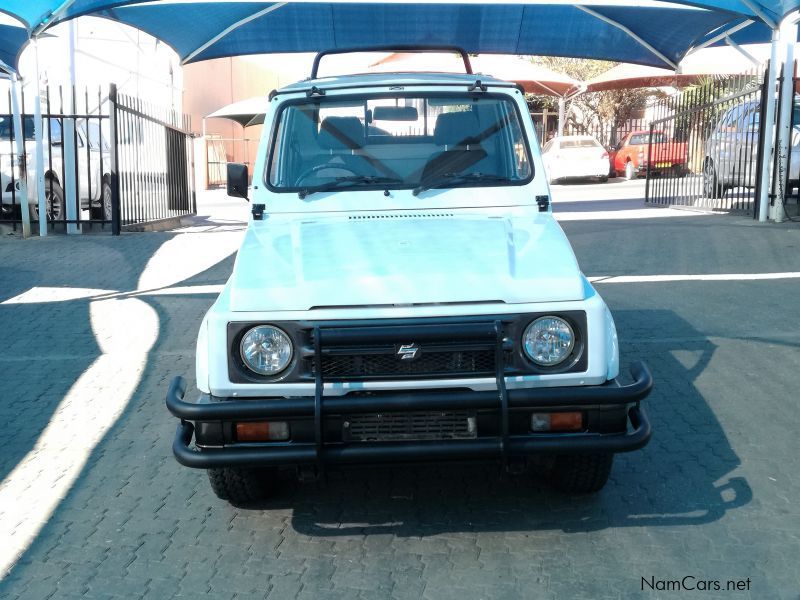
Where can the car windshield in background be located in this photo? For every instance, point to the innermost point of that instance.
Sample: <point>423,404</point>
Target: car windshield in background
<point>643,139</point>
<point>412,142</point>
<point>588,143</point>
<point>7,128</point>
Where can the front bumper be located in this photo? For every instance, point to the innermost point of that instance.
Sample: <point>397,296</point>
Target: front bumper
<point>504,445</point>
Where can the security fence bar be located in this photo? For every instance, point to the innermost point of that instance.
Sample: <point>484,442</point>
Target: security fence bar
<point>153,160</point>
<point>114,162</point>
<point>705,145</point>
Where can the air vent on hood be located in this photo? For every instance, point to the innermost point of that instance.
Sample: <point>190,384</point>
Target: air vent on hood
<point>402,216</point>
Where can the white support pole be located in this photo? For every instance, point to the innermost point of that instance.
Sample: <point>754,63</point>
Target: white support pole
<point>753,60</point>
<point>562,110</point>
<point>769,131</point>
<point>68,143</point>
<point>39,136</point>
<point>784,127</point>
<point>20,160</point>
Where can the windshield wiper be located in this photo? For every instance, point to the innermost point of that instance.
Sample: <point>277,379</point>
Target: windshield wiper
<point>345,182</point>
<point>456,178</point>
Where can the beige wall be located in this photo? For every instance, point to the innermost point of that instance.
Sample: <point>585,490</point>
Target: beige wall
<point>212,84</point>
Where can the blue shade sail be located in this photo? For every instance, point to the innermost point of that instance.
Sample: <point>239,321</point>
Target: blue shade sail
<point>655,35</point>
<point>12,40</point>
<point>218,30</point>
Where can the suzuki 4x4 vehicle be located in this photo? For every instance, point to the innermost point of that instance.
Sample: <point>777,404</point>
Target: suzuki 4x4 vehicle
<point>404,294</point>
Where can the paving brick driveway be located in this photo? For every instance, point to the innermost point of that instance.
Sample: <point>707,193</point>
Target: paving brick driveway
<point>94,504</point>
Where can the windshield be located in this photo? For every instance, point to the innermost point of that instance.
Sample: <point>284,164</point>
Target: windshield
<point>403,142</point>
<point>642,139</point>
<point>7,128</point>
<point>581,143</point>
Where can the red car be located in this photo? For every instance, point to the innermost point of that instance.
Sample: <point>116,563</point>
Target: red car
<point>630,155</point>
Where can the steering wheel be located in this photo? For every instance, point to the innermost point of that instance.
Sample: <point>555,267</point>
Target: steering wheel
<point>317,168</point>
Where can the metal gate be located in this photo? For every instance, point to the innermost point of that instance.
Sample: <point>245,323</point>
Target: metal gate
<point>76,159</point>
<point>705,145</point>
<point>111,162</point>
<point>153,162</point>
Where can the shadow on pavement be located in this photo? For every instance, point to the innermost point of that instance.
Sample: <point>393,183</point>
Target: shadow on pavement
<point>673,481</point>
<point>48,346</point>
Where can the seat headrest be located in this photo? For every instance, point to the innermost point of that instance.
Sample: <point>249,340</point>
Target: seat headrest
<point>341,133</point>
<point>456,129</point>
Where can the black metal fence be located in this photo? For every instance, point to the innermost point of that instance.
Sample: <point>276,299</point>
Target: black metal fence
<point>153,157</point>
<point>110,161</point>
<point>76,183</point>
<point>705,145</point>
<point>609,135</point>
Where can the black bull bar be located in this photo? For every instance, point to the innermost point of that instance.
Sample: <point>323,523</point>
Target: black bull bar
<point>608,395</point>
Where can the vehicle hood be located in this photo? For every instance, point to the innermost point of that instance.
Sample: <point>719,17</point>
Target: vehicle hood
<point>394,258</point>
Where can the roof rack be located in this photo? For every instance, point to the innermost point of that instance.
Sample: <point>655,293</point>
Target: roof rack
<point>396,48</point>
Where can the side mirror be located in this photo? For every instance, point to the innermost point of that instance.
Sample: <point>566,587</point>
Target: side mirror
<point>237,180</point>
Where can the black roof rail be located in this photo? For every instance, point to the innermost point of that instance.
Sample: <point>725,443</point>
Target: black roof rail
<point>395,48</point>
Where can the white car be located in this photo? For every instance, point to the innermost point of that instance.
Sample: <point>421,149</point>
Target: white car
<point>575,157</point>
<point>93,167</point>
<point>403,294</point>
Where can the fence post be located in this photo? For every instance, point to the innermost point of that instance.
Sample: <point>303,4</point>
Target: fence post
<point>647,173</point>
<point>114,158</point>
<point>768,124</point>
<point>19,159</point>
<point>784,125</point>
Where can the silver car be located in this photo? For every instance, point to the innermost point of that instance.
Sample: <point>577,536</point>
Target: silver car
<point>731,151</point>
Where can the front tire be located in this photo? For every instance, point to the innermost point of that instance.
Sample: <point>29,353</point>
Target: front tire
<point>54,201</point>
<point>106,200</point>
<point>630,171</point>
<point>711,186</point>
<point>242,485</point>
<point>581,473</point>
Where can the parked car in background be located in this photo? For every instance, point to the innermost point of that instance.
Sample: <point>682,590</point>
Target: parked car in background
<point>731,151</point>
<point>630,157</point>
<point>93,162</point>
<point>575,157</point>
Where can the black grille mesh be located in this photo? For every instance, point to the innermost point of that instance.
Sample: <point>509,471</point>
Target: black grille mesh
<point>433,363</point>
<point>409,426</point>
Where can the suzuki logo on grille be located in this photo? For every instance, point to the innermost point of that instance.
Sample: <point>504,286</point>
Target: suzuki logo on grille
<point>408,351</point>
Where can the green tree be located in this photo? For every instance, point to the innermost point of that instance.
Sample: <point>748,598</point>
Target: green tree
<point>594,111</point>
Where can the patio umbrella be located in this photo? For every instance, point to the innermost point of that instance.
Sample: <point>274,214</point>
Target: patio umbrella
<point>245,112</point>
<point>699,65</point>
<point>534,78</point>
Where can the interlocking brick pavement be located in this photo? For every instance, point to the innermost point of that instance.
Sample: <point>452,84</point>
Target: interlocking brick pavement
<point>712,495</point>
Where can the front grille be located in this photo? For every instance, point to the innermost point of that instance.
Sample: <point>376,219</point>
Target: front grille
<point>409,426</point>
<point>388,364</point>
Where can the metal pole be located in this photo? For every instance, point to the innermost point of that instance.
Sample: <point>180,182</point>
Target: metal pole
<point>39,137</point>
<point>788,35</point>
<point>114,159</point>
<point>19,140</point>
<point>769,137</point>
<point>68,143</point>
<point>562,109</point>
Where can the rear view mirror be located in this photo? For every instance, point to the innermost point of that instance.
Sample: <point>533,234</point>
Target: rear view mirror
<point>237,180</point>
<point>395,113</point>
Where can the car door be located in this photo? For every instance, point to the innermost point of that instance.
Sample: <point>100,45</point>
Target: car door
<point>725,144</point>
<point>747,131</point>
<point>548,152</point>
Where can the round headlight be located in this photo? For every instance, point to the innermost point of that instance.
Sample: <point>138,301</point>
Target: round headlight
<point>266,350</point>
<point>548,341</point>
